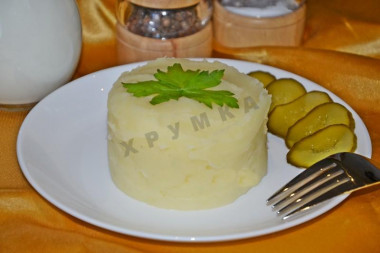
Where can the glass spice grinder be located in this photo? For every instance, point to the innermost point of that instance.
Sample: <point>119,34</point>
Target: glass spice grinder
<point>149,29</point>
<point>250,23</point>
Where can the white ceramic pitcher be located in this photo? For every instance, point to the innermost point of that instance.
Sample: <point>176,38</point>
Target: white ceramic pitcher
<point>40,45</point>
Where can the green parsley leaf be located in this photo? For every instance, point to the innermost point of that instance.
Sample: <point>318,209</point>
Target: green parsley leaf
<point>176,83</point>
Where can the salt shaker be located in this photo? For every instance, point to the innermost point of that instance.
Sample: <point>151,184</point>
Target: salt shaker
<point>247,23</point>
<point>149,29</point>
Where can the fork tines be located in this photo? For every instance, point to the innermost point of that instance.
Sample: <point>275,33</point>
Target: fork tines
<point>316,184</point>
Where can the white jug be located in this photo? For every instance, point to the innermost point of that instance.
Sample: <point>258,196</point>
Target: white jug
<point>40,45</point>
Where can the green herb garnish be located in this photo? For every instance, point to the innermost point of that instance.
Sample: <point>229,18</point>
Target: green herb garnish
<point>176,83</point>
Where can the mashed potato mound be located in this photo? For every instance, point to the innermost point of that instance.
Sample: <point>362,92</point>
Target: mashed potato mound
<point>182,154</point>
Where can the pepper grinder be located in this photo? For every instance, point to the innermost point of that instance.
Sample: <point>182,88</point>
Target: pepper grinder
<point>149,29</point>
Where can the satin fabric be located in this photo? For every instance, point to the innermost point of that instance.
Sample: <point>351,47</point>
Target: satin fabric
<point>340,51</point>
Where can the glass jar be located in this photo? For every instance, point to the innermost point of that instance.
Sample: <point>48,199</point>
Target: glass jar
<point>247,23</point>
<point>148,29</point>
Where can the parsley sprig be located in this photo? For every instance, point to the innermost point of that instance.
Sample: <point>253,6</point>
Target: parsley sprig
<point>176,83</point>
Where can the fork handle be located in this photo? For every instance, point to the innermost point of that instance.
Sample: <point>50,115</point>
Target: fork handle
<point>362,168</point>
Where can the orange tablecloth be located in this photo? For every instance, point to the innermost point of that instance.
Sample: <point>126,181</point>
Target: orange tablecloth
<point>341,51</point>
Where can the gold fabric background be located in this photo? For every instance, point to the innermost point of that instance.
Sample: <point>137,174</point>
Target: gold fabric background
<point>341,51</point>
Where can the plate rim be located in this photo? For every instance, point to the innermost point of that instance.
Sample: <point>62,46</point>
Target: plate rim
<point>163,237</point>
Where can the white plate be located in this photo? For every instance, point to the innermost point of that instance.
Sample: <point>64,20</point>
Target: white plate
<point>62,150</point>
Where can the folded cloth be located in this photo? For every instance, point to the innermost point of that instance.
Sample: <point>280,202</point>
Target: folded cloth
<point>345,26</point>
<point>342,73</point>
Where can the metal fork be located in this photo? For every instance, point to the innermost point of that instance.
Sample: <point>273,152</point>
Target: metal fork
<point>332,176</point>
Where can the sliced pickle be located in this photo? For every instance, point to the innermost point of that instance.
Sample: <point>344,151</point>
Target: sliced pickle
<point>264,77</point>
<point>325,142</point>
<point>284,116</point>
<point>321,116</point>
<point>284,90</point>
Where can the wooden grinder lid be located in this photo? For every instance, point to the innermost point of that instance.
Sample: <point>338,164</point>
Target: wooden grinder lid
<point>165,4</point>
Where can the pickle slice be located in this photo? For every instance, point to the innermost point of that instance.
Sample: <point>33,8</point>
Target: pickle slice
<point>264,77</point>
<point>284,116</point>
<point>325,142</point>
<point>321,116</point>
<point>284,90</point>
